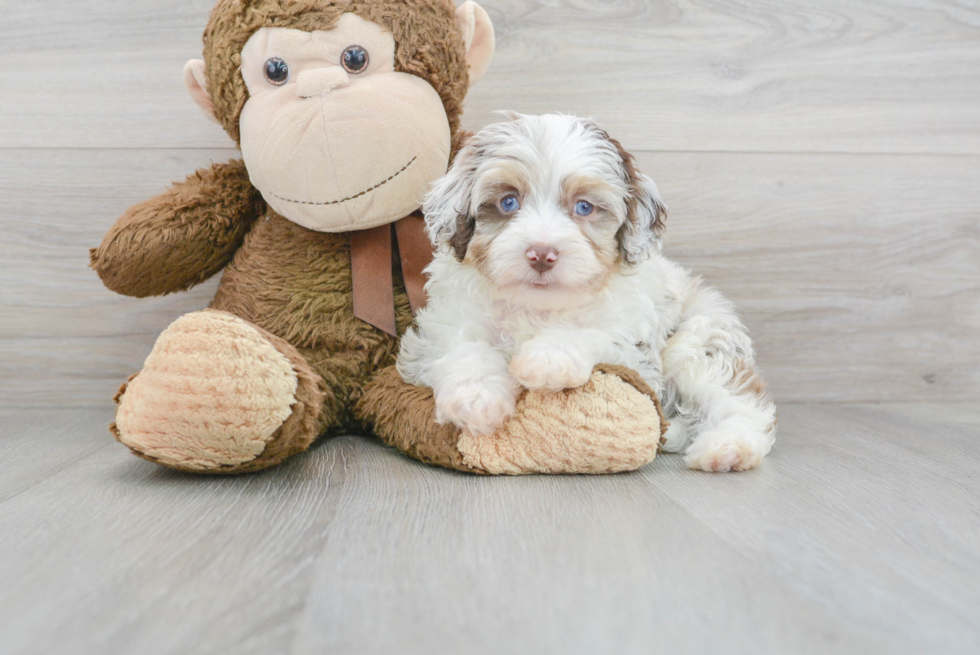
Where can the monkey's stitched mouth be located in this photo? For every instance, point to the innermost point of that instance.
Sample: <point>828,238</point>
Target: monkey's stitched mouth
<point>357,195</point>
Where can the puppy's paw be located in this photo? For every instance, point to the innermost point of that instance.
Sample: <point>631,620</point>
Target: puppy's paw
<point>678,436</point>
<point>729,446</point>
<point>478,406</point>
<point>539,365</point>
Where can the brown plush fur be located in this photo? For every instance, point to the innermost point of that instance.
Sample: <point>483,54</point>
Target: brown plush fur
<point>301,429</point>
<point>604,426</point>
<point>428,44</point>
<point>293,284</point>
<point>403,416</point>
<point>172,382</point>
<point>180,238</point>
<point>296,283</point>
<point>635,380</point>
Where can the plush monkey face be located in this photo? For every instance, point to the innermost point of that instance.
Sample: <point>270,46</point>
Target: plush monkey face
<point>333,137</point>
<point>343,128</point>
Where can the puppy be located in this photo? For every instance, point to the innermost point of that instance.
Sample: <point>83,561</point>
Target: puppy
<point>548,262</point>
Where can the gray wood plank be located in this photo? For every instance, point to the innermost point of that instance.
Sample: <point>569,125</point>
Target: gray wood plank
<point>102,74</point>
<point>859,276</point>
<point>64,338</point>
<point>834,76</point>
<point>965,413</point>
<point>858,535</point>
<point>863,508</point>
<point>420,561</point>
<point>33,447</point>
<point>116,555</point>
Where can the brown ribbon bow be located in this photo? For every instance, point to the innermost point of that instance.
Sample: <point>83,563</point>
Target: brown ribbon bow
<point>370,254</point>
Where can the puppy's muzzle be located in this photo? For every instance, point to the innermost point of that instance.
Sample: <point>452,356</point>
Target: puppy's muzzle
<point>541,257</point>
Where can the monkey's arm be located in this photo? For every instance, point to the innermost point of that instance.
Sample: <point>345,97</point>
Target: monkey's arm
<point>181,237</point>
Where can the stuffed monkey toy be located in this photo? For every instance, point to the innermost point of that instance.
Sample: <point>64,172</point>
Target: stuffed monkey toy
<point>344,112</point>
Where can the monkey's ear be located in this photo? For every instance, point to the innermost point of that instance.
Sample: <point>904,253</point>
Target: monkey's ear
<point>478,37</point>
<point>196,81</point>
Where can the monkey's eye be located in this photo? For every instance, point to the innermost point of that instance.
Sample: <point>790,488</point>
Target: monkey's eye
<point>510,204</point>
<point>584,208</point>
<point>355,59</point>
<point>277,71</point>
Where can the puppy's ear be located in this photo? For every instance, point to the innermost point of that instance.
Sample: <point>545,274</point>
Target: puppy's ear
<point>646,213</point>
<point>449,221</point>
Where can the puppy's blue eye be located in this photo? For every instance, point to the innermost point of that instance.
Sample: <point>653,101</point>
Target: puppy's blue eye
<point>583,208</point>
<point>510,204</point>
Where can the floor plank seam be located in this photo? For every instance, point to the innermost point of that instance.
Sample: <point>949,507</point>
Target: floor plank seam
<point>54,472</point>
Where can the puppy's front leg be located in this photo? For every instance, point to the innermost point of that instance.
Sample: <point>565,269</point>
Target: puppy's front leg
<point>558,359</point>
<point>472,388</point>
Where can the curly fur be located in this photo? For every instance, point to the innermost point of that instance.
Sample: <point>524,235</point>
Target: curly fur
<point>498,323</point>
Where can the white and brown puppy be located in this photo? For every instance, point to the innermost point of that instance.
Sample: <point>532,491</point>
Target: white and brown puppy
<point>549,263</point>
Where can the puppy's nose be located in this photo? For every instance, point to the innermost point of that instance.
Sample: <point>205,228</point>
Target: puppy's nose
<point>542,258</point>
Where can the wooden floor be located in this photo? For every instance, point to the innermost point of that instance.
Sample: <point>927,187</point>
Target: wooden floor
<point>860,534</point>
<point>821,161</point>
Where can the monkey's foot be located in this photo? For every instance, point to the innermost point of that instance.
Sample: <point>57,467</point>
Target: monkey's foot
<point>611,424</point>
<point>219,395</point>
